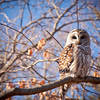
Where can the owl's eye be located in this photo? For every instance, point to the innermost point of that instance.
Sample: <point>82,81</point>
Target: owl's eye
<point>82,37</point>
<point>74,37</point>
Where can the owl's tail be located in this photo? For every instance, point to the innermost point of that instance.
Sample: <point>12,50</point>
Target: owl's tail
<point>63,91</point>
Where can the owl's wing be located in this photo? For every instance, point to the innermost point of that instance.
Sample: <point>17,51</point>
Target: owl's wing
<point>66,59</point>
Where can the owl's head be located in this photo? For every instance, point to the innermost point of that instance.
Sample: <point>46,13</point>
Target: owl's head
<point>78,37</point>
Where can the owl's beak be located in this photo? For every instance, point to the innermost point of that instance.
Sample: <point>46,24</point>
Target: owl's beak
<point>78,42</point>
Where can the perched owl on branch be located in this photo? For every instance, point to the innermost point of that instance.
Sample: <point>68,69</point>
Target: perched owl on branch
<point>75,59</point>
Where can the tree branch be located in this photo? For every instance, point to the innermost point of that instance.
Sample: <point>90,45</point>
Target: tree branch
<point>71,22</point>
<point>30,91</point>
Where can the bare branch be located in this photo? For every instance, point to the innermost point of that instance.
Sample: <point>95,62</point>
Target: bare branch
<point>30,91</point>
<point>59,17</point>
<point>18,32</point>
<point>83,20</point>
<point>30,66</point>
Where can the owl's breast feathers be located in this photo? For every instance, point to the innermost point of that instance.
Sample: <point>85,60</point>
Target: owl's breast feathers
<point>74,59</point>
<point>66,58</point>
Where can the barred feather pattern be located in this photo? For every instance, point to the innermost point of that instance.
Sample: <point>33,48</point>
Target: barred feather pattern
<point>74,61</point>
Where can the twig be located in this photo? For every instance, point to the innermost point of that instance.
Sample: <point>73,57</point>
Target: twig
<point>30,66</point>
<point>89,90</point>
<point>54,39</point>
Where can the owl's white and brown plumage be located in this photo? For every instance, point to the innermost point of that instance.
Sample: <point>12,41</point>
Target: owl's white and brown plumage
<point>75,58</point>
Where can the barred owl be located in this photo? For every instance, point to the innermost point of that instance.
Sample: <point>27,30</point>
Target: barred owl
<point>75,60</point>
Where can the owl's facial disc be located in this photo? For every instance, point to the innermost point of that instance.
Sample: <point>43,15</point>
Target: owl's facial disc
<point>78,37</point>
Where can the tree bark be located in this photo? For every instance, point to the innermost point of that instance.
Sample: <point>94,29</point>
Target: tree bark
<point>30,91</point>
